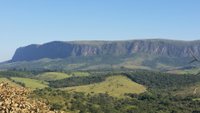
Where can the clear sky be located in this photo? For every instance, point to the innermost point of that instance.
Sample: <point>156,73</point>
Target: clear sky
<point>24,22</point>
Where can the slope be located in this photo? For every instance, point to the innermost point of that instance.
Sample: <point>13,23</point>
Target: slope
<point>51,76</point>
<point>30,83</point>
<point>115,86</point>
<point>5,80</point>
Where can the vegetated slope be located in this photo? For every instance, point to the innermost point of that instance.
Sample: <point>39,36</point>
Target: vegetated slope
<point>192,70</point>
<point>30,83</point>
<point>6,80</point>
<point>80,74</point>
<point>159,80</point>
<point>10,73</point>
<point>134,61</point>
<point>51,76</point>
<point>114,86</point>
<point>159,97</point>
<point>191,90</point>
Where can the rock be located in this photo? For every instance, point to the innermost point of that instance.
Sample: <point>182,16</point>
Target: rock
<point>15,100</point>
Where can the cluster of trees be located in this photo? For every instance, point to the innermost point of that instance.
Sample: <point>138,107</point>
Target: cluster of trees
<point>158,99</point>
<point>12,73</point>
<point>77,81</point>
<point>150,79</point>
<point>161,80</point>
<point>148,102</point>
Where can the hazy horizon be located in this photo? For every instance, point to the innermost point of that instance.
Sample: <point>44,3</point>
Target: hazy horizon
<point>38,22</point>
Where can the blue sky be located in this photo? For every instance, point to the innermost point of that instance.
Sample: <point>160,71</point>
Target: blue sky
<point>24,22</point>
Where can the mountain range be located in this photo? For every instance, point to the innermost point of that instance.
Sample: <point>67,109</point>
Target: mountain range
<point>58,49</point>
<point>145,54</point>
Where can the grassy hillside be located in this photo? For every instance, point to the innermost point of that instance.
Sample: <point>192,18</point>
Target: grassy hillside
<point>115,86</point>
<point>30,83</point>
<point>5,80</point>
<point>50,76</point>
<point>80,74</point>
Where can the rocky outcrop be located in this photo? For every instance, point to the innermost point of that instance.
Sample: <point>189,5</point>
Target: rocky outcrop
<point>58,49</point>
<point>15,100</point>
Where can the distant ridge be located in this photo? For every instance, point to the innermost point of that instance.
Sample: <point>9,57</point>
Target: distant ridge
<point>61,49</point>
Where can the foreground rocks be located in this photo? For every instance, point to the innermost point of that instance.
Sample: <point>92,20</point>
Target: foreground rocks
<point>15,100</point>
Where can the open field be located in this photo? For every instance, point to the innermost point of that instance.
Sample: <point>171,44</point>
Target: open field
<point>80,74</point>
<point>50,76</point>
<point>30,83</point>
<point>115,86</point>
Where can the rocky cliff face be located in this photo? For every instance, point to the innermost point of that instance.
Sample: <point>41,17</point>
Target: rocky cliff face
<point>58,49</point>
